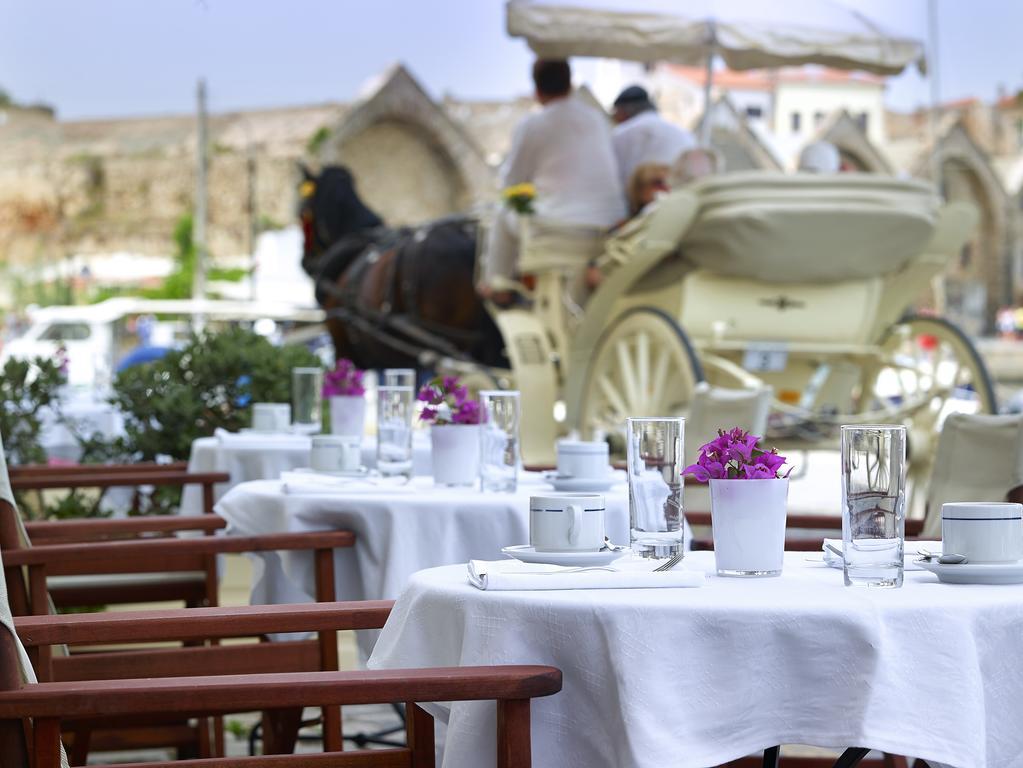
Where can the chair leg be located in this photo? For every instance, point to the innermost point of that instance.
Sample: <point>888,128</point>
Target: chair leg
<point>851,757</point>
<point>771,755</point>
<point>80,747</point>
<point>280,730</point>
<point>895,761</point>
<point>514,749</point>
<point>419,735</point>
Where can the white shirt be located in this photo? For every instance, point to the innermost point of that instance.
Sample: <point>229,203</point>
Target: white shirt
<point>648,138</point>
<point>565,151</point>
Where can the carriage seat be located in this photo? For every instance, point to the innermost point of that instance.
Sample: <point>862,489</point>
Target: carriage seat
<point>808,228</point>
<point>548,245</point>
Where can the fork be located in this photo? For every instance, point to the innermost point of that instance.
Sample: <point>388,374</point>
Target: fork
<point>670,563</point>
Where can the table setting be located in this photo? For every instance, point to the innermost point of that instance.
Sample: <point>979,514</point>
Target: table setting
<point>747,646</point>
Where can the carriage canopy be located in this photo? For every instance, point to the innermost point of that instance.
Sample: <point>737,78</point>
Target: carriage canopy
<point>848,41</point>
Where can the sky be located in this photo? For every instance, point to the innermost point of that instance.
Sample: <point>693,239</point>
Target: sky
<point>98,58</point>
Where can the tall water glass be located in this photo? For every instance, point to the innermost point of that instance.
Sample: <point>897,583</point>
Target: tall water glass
<point>655,462</point>
<point>395,406</point>
<point>500,412</point>
<point>873,504</point>
<point>306,397</point>
<point>398,377</point>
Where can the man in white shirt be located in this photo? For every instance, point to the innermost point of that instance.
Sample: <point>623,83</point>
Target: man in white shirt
<point>642,136</point>
<point>565,151</point>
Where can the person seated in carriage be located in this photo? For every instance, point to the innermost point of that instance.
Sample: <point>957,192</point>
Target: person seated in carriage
<point>642,137</point>
<point>565,152</point>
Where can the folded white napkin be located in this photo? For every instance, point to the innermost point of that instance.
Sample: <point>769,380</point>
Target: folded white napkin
<point>257,439</point>
<point>910,551</point>
<point>622,574</point>
<point>298,483</point>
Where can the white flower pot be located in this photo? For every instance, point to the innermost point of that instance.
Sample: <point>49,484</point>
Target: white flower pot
<point>347,415</point>
<point>455,453</point>
<point>748,517</point>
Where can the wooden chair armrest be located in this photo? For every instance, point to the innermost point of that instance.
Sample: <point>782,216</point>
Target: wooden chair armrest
<point>43,532</point>
<point>116,479</point>
<point>45,470</point>
<point>183,624</point>
<point>148,551</point>
<point>241,693</point>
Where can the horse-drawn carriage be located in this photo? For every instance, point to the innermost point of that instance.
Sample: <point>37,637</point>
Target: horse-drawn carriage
<point>739,294</point>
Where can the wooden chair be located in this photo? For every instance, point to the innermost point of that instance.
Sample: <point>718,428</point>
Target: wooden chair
<point>32,714</point>
<point>194,584</point>
<point>66,554</point>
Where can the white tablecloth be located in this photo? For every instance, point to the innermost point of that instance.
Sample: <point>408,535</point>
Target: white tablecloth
<point>690,678</point>
<point>397,532</point>
<point>266,459</point>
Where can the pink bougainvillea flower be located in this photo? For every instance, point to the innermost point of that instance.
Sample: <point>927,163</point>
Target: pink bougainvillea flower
<point>735,455</point>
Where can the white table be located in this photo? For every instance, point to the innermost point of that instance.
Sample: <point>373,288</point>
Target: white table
<point>266,459</point>
<point>689,678</point>
<point>399,530</point>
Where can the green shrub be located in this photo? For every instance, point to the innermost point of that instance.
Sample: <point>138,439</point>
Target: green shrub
<point>210,383</point>
<point>26,388</point>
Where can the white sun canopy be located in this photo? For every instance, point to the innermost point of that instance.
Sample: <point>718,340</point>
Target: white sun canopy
<point>554,31</point>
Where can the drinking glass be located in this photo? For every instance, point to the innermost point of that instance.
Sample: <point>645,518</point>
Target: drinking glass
<point>873,504</point>
<point>306,396</point>
<point>655,462</point>
<point>499,440</point>
<point>399,377</point>
<point>395,406</point>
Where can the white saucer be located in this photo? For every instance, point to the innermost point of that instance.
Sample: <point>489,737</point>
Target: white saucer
<point>360,472</point>
<point>528,554</point>
<point>575,484</point>
<point>976,573</point>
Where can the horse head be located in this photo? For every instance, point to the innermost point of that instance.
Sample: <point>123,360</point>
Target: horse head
<point>330,209</point>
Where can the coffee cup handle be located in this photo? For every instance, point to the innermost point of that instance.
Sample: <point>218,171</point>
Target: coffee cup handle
<point>577,523</point>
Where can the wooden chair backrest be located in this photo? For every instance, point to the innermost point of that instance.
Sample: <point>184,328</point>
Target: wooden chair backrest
<point>13,745</point>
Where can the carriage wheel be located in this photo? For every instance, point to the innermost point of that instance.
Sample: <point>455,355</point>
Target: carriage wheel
<point>931,359</point>
<point>643,365</point>
<point>929,356</point>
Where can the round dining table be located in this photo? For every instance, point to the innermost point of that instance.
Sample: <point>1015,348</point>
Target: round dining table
<point>690,678</point>
<point>400,528</point>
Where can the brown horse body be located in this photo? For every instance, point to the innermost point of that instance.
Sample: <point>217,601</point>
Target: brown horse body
<point>392,294</point>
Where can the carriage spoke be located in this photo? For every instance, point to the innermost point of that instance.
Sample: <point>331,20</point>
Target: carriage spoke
<point>626,373</point>
<point>659,381</point>
<point>613,398</point>
<point>643,365</point>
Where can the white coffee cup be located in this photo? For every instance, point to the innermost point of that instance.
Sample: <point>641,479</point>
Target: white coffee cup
<point>336,453</point>
<point>271,417</point>
<point>985,532</point>
<point>583,459</point>
<point>569,522</point>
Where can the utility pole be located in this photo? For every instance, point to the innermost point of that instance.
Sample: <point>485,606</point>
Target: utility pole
<point>201,196</point>
<point>250,175</point>
<point>934,75</point>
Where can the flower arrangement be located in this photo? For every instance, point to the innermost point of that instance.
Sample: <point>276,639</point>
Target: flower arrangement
<point>734,455</point>
<point>344,380</point>
<point>520,197</point>
<point>447,402</point>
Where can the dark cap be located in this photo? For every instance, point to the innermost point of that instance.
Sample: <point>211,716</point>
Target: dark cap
<point>634,94</point>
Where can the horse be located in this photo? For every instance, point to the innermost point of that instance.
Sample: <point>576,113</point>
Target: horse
<point>389,293</point>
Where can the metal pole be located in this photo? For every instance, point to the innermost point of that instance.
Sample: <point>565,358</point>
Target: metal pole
<point>708,81</point>
<point>201,196</point>
<point>935,82</point>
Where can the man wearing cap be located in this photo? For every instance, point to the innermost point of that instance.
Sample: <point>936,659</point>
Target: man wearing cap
<point>564,150</point>
<point>642,136</point>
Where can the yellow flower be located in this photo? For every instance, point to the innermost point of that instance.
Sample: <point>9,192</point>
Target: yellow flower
<point>524,190</point>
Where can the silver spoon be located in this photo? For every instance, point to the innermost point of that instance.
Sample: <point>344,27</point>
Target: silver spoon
<point>949,559</point>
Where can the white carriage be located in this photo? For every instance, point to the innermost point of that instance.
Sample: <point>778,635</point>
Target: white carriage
<point>741,293</point>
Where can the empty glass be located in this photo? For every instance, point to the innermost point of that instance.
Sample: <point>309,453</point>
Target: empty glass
<point>395,406</point>
<point>655,462</point>
<point>873,504</point>
<point>398,377</point>
<point>499,440</point>
<point>306,397</point>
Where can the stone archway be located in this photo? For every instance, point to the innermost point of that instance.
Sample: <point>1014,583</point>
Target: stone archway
<point>856,150</point>
<point>981,280</point>
<point>411,161</point>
